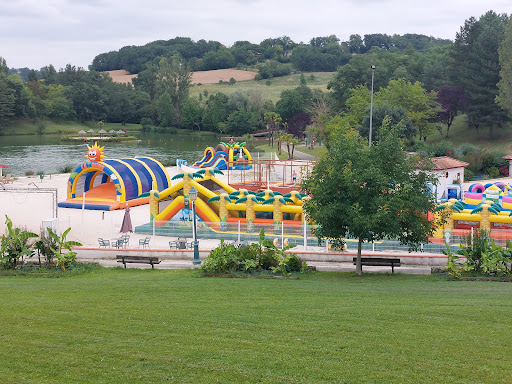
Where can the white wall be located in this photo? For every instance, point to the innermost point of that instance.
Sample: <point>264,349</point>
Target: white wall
<point>453,175</point>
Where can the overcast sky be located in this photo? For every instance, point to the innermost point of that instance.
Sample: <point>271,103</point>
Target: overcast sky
<point>35,33</point>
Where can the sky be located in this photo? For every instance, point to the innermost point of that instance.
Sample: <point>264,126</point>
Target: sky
<point>36,33</point>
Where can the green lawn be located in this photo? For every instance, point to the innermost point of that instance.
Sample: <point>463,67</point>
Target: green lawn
<point>144,326</point>
<point>268,92</point>
<point>30,127</point>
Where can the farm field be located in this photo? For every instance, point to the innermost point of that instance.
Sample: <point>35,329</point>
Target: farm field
<point>268,88</point>
<point>154,326</point>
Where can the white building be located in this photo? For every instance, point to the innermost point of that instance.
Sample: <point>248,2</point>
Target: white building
<point>449,171</point>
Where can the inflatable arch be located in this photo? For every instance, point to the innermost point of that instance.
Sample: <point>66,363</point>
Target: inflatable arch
<point>116,180</point>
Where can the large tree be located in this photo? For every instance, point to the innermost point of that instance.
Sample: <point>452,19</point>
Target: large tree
<point>504,98</point>
<point>475,67</point>
<point>368,193</point>
<point>174,78</point>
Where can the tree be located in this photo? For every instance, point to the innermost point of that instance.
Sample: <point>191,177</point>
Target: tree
<point>504,98</point>
<point>369,193</point>
<point>191,115</point>
<point>216,111</point>
<point>420,105</point>
<point>6,101</point>
<point>3,66</point>
<point>290,104</point>
<point>273,120</point>
<point>452,100</point>
<point>240,122</point>
<point>475,67</point>
<point>165,110</point>
<point>174,78</point>
<point>396,116</point>
<point>298,123</point>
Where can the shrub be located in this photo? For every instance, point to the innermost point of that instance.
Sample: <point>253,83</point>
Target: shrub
<point>65,169</point>
<point>483,257</point>
<point>232,81</point>
<point>504,171</point>
<point>257,257</point>
<point>29,173</point>
<point>15,245</point>
<point>493,172</point>
<point>468,149</point>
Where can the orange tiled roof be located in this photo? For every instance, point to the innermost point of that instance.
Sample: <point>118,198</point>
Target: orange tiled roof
<point>445,162</point>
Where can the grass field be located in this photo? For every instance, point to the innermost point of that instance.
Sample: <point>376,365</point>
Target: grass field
<point>268,92</point>
<point>461,134</point>
<point>145,326</point>
<point>29,127</point>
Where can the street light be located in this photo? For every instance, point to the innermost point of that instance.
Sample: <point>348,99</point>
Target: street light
<point>193,196</point>
<point>371,107</point>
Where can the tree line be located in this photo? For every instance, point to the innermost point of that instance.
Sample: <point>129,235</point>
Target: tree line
<point>420,84</point>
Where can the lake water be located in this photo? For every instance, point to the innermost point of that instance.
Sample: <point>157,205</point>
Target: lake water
<point>47,154</point>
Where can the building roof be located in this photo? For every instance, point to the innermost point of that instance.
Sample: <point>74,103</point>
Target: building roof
<point>445,162</point>
<point>508,157</point>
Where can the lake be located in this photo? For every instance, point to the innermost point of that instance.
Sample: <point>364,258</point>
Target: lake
<point>47,154</point>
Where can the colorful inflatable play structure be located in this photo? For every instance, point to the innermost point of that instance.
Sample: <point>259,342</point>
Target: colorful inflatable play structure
<point>232,155</point>
<point>487,207</point>
<point>219,203</point>
<point>109,184</point>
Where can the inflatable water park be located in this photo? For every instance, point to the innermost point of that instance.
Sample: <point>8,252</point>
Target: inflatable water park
<point>109,184</point>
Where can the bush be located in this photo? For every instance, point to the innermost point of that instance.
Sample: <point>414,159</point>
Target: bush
<point>468,149</point>
<point>482,257</point>
<point>493,172</point>
<point>257,257</point>
<point>232,81</point>
<point>29,173</point>
<point>65,169</point>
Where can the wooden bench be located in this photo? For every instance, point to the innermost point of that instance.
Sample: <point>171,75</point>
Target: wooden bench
<point>138,259</point>
<point>379,261</point>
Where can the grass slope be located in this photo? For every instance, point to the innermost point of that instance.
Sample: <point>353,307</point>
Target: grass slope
<point>460,134</point>
<point>133,326</point>
<point>270,92</point>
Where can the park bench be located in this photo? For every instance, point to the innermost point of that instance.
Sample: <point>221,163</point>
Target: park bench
<point>138,260</point>
<point>379,261</point>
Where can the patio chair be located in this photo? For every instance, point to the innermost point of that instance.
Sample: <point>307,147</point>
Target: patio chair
<point>125,240</point>
<point>103,243</point>
<point>8,179</point>
<point>144,242</point>
<point>181,243</point>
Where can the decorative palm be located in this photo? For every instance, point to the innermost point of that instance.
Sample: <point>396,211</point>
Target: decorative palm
<point>295,196</point>
<point>223,199</point>
<point>485,209</point>
<point>187,178</point>
<point>249,201</point>
<point>211,172</point>
<point>278,202</point>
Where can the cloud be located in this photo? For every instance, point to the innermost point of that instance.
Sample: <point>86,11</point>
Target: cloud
<point>39,32</point>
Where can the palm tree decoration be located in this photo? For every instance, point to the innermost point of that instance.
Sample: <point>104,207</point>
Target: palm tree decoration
<point>485,209</point>
<point>266,194</point>
<point>445,211</point>
<point>187,178</point>
<point>209,172</point>
<point>295,196</point>
<point>223,200</point>
<point>250,214</point>
<point>278,202</point>
<point>154,197</point>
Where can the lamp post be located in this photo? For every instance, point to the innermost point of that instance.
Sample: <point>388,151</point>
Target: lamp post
<point>193,196</point>
<point>371,107</point>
